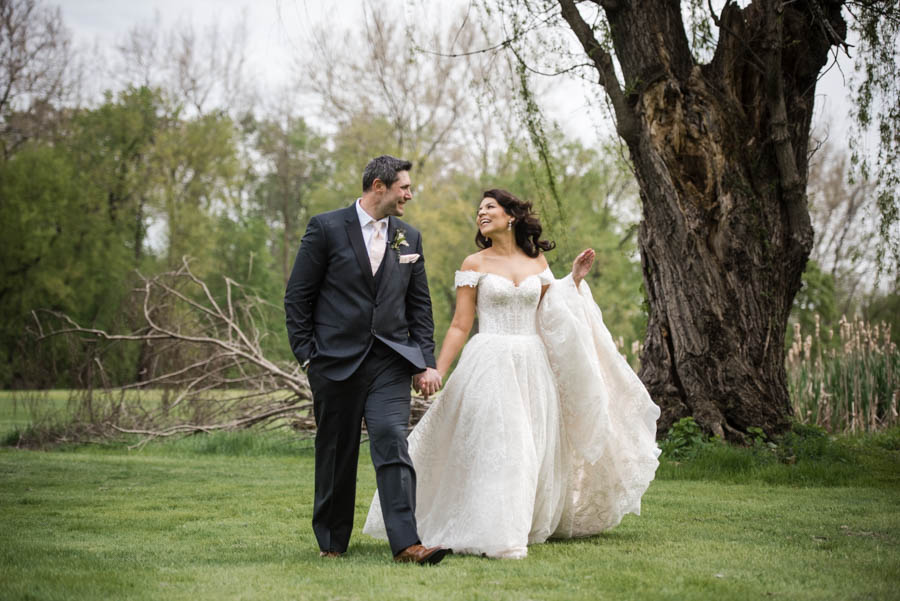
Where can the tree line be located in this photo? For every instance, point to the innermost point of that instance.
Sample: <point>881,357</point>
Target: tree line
<point>97,191</point>
<point>179,157</point>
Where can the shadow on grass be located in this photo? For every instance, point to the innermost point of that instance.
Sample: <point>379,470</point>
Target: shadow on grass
<point>610,538</point>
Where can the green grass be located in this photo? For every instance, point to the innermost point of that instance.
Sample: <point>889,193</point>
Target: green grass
<point>819,460</point>
<point>227,516</point>
<point>223,517</point>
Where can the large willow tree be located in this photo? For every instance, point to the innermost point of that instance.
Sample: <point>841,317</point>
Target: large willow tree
<point>720,142</point>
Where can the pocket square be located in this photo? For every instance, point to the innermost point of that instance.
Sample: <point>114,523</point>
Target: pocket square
<point>410,258</point>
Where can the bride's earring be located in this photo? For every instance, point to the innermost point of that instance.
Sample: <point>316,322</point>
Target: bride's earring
<point>509,224</point>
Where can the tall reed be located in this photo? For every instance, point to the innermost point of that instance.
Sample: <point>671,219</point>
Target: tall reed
<point>848,384</point>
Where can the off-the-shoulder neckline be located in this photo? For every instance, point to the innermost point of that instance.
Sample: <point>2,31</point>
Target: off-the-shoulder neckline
<point>503,277</point>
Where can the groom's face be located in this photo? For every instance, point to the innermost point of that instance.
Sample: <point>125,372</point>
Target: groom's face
<point>395,197</point>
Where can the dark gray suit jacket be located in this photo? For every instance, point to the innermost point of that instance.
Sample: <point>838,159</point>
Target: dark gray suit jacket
<point>336,308</point>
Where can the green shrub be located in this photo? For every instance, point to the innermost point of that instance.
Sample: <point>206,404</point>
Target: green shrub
<point>811,443</point>
<point>888,440</point>
<point>683,440</point>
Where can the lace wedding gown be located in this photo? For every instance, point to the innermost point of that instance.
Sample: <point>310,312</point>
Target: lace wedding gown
<point>543,430</point>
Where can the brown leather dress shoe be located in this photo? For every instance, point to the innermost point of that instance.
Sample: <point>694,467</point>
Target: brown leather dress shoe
<point>331,554</point>
<point>421,555</point>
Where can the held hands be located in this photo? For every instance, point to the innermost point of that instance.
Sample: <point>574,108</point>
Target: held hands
<point>582,265</point>
<point>427,382</point>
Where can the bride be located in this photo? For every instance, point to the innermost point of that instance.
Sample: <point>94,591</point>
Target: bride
<point>543,430</point>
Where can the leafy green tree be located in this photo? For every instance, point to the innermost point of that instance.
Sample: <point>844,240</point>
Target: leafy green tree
<point>77,215</point>
<point>60,252</point>
<point>242,254</point>
<point>115,143</point>
<point>77,212</point>
<point>295,163</point>
<point>197,167</point>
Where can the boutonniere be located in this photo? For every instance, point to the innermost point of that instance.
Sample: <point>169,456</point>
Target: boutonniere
<point>399,239</point>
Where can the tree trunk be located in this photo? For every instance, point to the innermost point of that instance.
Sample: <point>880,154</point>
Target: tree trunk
<point>720,154</point>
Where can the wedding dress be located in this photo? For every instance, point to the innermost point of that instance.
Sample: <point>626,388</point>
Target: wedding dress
<point>543,430</point>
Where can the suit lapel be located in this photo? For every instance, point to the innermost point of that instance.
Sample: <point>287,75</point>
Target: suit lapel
<point>354,232</point>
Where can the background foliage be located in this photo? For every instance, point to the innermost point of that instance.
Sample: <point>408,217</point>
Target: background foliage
<point>188,161</point>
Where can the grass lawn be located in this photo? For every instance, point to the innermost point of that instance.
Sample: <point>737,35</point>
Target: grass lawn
<point>228,517</point>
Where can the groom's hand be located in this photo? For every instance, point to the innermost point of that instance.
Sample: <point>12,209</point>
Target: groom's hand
<point>427,382</point>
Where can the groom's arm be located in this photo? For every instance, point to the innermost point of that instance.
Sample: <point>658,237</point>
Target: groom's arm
<point>418,308</point>
<point>303,289</point>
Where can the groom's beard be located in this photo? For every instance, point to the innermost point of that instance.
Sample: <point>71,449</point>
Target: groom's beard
<point>394,206</point>
<point>396,209</point>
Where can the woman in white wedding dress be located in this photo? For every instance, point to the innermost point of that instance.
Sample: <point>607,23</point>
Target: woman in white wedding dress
<point>543,430</point>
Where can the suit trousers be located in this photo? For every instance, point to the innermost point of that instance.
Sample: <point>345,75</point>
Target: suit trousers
<point>379,391</point>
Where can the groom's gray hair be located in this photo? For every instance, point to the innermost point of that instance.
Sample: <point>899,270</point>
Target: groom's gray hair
<point>384,168</point>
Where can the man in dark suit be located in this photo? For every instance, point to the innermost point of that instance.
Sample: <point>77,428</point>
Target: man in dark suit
<point>359,319</point>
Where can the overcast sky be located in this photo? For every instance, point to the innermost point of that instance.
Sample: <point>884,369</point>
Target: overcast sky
<point>278,30</point>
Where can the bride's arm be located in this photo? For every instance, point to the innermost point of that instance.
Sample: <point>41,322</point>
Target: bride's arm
<point>459,329</point>
<point>463,318</point>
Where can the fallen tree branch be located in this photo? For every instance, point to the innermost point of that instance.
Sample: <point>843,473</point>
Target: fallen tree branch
<point>205,369</point>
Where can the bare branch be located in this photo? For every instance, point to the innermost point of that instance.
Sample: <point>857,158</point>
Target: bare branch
<point>209,366</point>
<point>792,183</point>
<point>626,124</point>
<point>35,60</point>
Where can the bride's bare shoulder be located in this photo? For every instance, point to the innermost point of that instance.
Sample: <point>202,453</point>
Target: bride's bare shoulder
<point>472,263</point>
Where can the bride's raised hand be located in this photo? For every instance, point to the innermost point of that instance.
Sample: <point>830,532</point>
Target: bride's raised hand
<point>582,265</point>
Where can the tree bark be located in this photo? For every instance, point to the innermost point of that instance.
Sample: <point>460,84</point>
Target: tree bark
<point>720,155</point>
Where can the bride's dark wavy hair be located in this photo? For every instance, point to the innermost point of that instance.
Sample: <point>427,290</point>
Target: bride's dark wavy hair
<point>527,226</point>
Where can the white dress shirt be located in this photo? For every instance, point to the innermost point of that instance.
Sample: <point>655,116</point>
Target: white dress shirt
<point>368,224</point>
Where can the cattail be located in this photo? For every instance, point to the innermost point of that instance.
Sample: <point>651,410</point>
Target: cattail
<point>853,386</point>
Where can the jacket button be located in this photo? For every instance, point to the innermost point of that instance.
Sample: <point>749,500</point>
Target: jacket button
<point>373,331</point>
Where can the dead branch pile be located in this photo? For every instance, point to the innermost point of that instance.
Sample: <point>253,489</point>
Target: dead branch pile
<point>201,366</point>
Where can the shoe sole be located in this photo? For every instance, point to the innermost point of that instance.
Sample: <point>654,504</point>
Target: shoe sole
<point>436,557</point>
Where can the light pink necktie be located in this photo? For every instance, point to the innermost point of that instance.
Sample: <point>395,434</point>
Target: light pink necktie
<point>376,247</point>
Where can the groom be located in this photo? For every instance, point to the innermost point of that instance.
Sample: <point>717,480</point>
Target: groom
<point>359,319</point>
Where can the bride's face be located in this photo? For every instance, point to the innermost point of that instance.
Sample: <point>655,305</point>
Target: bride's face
<point>492,217</point>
